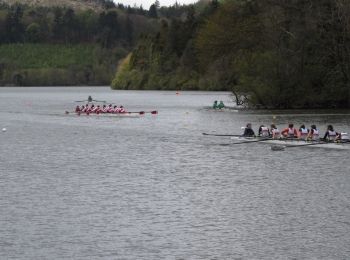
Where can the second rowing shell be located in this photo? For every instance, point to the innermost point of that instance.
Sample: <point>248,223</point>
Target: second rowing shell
<point>296,143</point>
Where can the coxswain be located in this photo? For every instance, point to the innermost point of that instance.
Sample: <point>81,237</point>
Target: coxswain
<point>248,131</point>
<point>303,132</point>
<point>313,133</point>
<point>77,109</point>
<point>263,131</point>
<point>331,134</point>
<point>275,133</point>
<point>290,132</point>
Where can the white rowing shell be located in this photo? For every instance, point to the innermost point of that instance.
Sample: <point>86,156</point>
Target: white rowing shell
<point>341,146</point>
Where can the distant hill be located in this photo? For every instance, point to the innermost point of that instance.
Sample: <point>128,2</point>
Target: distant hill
<point>75,4</point>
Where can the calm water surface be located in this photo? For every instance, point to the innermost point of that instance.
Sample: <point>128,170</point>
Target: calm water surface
<point>155,188</point>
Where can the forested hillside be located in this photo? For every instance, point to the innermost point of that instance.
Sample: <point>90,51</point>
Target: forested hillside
<point>54,41</point>
<point>269,53</point>
<point>74,4</point>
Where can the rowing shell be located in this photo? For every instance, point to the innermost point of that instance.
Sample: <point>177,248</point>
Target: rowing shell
<point>296,143</point>
<point>118,115</point>
<point>124,114</point>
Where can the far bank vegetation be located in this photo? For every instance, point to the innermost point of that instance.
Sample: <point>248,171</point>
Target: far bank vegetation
<point>269,53</point>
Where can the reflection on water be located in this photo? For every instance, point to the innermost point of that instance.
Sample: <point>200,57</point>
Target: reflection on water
<point>154,187</point>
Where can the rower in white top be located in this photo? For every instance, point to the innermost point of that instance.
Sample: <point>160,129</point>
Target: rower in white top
<point>331,134</point>
<point>276,134</point>
<point>263,131</point>
<point>303,132</point>
<point>313,134</point>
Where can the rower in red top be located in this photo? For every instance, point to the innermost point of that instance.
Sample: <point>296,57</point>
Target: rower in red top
<point>110,109</point>
<point>290,132</point>
<point>122,109</point>
<point>85,109</point>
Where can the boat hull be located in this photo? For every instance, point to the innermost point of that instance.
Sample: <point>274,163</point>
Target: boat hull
<point>117,115</point>
<point>297,143</point>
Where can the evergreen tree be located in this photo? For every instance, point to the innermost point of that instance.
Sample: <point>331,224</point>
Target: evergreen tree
<point>152,13</point>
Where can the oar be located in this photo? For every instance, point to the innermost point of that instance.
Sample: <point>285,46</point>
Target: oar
<point>282,147</point>
<point>221,134</point>
<point>254,141</point>
<point>91,101</point>
<point>143,112</point>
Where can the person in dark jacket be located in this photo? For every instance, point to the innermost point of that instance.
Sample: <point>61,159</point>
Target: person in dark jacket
<point>248,131</point>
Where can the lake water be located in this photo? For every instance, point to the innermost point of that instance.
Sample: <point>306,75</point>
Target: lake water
<point>154,187</point>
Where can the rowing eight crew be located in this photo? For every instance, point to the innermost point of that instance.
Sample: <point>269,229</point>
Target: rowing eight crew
<point>98,109</point>
<point>291,132</point>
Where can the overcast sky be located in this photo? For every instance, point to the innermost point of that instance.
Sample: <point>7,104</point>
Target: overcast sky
<point>146,3</point>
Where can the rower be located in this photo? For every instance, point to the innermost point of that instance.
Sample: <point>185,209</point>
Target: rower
<point>110,109</point>
<point>303,132</point>
<point>215,105</point>
<point>85,109</point>
<point>263,131</point>
<point>122,109</point>
<point>89,99</point>
<point>290,132</point>
<point>98,109</point>
<point>94,109</point>
<point>248,131</point>
<point>313,133</point>
<point>104,109</point>
<point>221,105</point>
<point>331,134</point>
<point>275,132</point>
<point>91,108</point>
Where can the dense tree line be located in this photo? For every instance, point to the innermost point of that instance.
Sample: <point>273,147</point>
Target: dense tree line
<point>269,53</point>
<point>111,27</point>
<point>167,59</point>
<point>109,33</point>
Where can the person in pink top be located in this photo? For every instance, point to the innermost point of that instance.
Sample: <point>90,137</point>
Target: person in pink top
<point>110,109</point>
<point>122,109</point>
<point>290,132</point>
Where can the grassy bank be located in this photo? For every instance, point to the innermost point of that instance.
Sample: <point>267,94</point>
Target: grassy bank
<point>57,64</point>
